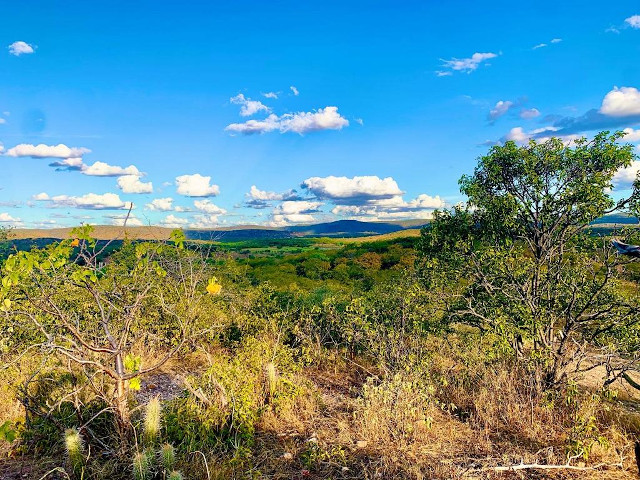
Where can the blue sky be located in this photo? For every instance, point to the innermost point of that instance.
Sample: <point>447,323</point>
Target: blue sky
<point>391,103</point>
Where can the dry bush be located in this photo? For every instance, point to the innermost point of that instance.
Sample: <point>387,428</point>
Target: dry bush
<point>504,400</point>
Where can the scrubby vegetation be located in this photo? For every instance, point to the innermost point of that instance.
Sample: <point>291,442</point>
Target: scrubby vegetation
<point>501,343</point>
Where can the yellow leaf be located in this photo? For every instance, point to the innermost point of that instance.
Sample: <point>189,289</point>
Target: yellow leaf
<point>75,242</point>
<point>213,288</point>
<point>134,384</point>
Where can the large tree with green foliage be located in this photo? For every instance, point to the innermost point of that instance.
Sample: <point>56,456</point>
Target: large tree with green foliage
<point>520,260</point>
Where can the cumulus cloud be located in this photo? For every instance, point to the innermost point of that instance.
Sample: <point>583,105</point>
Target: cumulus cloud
<point>90,201</point>
<point>101,169</point>
<point>133,184</point>
<point>326,118</point>
<point>620,107</point>
<point>519,135</point>
<point>273,95</point>
<point>528,113</point>
<point>633,21</point>
<point>119,220</point>
<point>160,204</point>
<point>172,221</point>
<point>621,102</point>
<point>294,211</point>
<point>41,196</point>
<point>394,208</point>
<point>46,151</point>
<point>209,207</point>
<point>360,196</point>
<point>345,190</point>
<point>248,107</point>
<point>631,135</point>
<point>294,90</point>
<point>196,185</point>
<point>500,109</point>
<point>466,65</point>
<point>627,175</point>
<point>6,218</point>
<point>205,221</point>
<point>73,163</point>
<point>20,48</point>
<point>257,198</point>
<point>256,194</point>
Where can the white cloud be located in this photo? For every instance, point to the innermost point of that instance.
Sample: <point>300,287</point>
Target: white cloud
<point>20,48</point>
<point>501,108</point>
<point>394,208</point>
<point>41,196</point>
<point>101,169</point>
<point>344,189</point>
<point>621,102</point>
<point>172,221</point>
<point>256,194</point>
<point>528,113</point>
<point>467,65</point>
<point>294,211</point>
<point>90,201</point>
<point>160,204</point>
<point>196,186</point>
<point>257,198</point>
<point>273,95</point>
<point>119,220</point>
<point>326,118</point>
<point>291,207</point>
<point>6,218</point>
<point>541,135</point>
<point>249,107</point>
<point>518,135</point>
<point>132,184</point>
<point>631,135</point>
<point>542,45</point>
<point>207,206</point>
<point>2,121</point>
<point>72,163</point>
<point>46,151</point>
<point>205,221</point>
<point>633,21</point>
<point>627,175</point>
<point>294,90</point>
<point>269,124</point>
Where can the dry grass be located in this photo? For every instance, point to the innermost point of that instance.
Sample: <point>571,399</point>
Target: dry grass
<point>450,417</point>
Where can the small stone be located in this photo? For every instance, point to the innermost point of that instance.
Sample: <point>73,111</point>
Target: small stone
<point>312,440</point>
<point>287,455</point>
<point>345,469</point>
<point>361,443</point>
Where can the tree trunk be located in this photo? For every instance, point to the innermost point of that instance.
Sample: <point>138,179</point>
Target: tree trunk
<point>123,423</point>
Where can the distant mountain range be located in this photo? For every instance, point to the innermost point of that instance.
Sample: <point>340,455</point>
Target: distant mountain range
<point>337,229</point>
<point>340,228</point>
